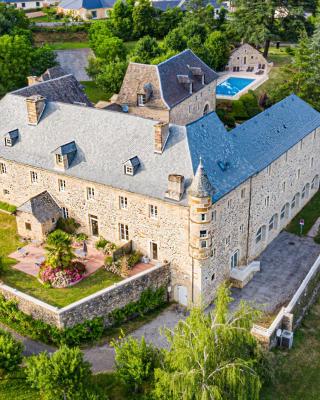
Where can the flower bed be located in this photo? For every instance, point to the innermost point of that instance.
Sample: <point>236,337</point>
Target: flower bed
<point>62,278</point>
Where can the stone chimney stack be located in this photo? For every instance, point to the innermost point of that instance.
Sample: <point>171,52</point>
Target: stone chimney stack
<point>175,187</point>
<point>35,107</point>
<point>161,133</point>
<point>32,80</point>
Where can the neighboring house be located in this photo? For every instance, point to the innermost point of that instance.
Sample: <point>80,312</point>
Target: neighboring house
<point>178,90</point>
<point>55,85</point>
<point>164,5</point>
<point>30,4</point>
<point>205,199</point>
<point>86,9</point>
<point>248,59</point>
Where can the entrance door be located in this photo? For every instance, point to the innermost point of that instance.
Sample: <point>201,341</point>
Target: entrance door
<point>154,251</point>
<point>183,295</point>
<point>94,225</point>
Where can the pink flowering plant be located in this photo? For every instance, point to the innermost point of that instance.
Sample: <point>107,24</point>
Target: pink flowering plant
<point>60,278</point>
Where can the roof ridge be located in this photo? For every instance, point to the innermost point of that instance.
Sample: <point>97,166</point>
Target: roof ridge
<point>40,83</point>
<point>174,56</point>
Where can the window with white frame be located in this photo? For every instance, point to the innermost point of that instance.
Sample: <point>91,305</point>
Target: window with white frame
<point>90,193</point>
<point>34,176</point>
<point>315,182</point>
<point>59,159</point>
<point>267,201</point>
<point>123,202</point>
<point>261,234</point>
<point>153,211</point>
<point>203,217</point>
<point>65,212</point>
<point>234,260</point>
<point>229,203</point>
<point>141,100</point>
<point>283,212</point>
<point>8,142</point>
<point>3,168</point>
<point>273,222</point>
<point>204,244</point>
<point>293,202</point>
<point>128,170</point>
<point>6,191</point>
<point>203,233</point>
<point>123,232</point>
<point>61,185</point>
<point>303,192</point>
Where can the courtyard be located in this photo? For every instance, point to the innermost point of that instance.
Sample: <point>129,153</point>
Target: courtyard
<point>20,269</point>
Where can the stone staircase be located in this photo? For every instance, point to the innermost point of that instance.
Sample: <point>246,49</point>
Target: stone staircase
<point>240,276</point>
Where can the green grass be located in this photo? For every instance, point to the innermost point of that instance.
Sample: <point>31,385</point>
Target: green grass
<point>310,213</point>
<point>94,93</point>
<point>7,207</point>
<point>69,45</point>
<point>296,372</point>
<point>9,242</point>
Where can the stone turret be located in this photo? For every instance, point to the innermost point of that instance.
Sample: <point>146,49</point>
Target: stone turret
<point>200,203</point>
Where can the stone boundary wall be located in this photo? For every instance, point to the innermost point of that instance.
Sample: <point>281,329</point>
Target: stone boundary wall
<point>291,316</point>
<point>99,304</point>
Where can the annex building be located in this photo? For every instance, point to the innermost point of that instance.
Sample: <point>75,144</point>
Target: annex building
<point>160,169</point>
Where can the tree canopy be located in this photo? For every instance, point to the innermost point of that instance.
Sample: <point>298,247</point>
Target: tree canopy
<point>11,18</point>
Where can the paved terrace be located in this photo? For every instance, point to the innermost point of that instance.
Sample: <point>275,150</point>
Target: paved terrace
<point>284,265</point>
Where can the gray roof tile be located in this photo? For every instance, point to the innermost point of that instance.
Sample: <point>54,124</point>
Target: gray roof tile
<point>42,207</point>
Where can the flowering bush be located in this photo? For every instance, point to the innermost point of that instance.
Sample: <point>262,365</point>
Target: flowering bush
<point>60,278</point>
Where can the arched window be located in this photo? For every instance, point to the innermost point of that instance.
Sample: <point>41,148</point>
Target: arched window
<point>273,223</point>
<point>284,211</point>
<point>307,190</point>
<point>261,234</point>
<point>295,201</point>
<point>206,109</point>
<point>315,182</point>
<point>303,193</point>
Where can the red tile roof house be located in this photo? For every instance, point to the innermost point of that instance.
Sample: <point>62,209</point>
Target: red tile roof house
<point>86,9</point>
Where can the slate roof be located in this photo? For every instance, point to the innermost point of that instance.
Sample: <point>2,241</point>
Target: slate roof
<point>174,92</point>
<point>65,89</point>
<point>86,4</point>
<point>201,186</point>
<point>105,140</point>
<point>165,4</point>
<point>53,73</point>
<point>42,207</point>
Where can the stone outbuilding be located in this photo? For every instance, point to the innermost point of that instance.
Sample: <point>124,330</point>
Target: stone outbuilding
<point>248,59</point>
<point>37,216</point>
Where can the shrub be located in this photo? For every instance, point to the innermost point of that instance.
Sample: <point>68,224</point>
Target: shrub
<point>1,265</point>
<point>80,237</point>
<point>108,260</point>
<point>63,375</point>
<point>135,361</point>
<point>7,207</point>
<point>101,243</point>
<point>10,352</point>
<point>69,225</point>
<point>134,258</point>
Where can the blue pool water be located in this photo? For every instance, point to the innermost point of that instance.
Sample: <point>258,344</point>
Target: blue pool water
<point>232,86</point>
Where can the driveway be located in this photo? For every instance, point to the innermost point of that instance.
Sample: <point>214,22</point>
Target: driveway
<point>75,62</point>
<point>284,265</point>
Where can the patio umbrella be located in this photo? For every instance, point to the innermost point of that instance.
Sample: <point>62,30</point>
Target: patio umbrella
<point>85,248</point>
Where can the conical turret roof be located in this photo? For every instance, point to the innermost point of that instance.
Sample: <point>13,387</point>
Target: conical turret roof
<point>201,186</point>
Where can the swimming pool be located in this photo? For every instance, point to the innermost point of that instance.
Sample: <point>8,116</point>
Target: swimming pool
<point>232,86</point>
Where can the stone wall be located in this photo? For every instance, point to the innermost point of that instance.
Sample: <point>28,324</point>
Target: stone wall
<point>99,304</point>
<point>247,56</point>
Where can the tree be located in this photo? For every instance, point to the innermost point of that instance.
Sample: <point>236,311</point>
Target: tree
<point>11,18</point>
<point>15,62</point>
<point>98,31</point>
<point>211,356</point>
<point>10,352</point>
<point>175,40</point>
<point>143,17</point>
<point>146,49</point>
<point>63,375</point>
<point>59,249</point>
<point>168,19</point>
<point>111,48</point>
<point>216,50</point>
<point>42,59</point>
<point>121,19</point>
<point>135,361</point>
<point>108,77</point>
<point>258,21</point>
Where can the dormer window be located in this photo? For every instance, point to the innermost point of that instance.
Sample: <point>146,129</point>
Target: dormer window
<point>59,159</point>
<point>11,138</point>
<point>65,154</point>
<point>141,100</point>
<point>131,166</point>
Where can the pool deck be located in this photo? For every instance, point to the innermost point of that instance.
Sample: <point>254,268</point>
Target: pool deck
<point>258,80</point>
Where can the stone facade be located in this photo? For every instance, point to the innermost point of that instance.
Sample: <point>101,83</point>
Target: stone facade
<point>30,228</point>
<point>246,57</point>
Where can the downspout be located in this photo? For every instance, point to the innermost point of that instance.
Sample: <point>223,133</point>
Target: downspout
<point>249,217</point>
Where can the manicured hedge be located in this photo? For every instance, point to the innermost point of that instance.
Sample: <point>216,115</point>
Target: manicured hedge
<point>86,332</point>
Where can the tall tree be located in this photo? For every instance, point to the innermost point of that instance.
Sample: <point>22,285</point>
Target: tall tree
<point>217,50</point>
<point>146,50</point>
<point>121,19</point>
<point>15,62</point>
<point>211,356</point>
<point>11,18</point>
<point>258,21</point>
<point>143,16</point>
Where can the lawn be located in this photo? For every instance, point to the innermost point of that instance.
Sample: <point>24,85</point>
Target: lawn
<point>9,242</point>
<point>94,93</point>
<point>310,213</point>
<point>296,372</point>
<point>69,45</point>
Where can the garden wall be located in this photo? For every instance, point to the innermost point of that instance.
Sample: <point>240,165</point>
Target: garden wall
<point>290,317</point>
<point>99,304</point>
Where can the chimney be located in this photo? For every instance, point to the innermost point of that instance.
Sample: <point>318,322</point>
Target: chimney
<point>32,80</point>
<point>35,107</point>
<point>161,133</point>
<point>175,187</point>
